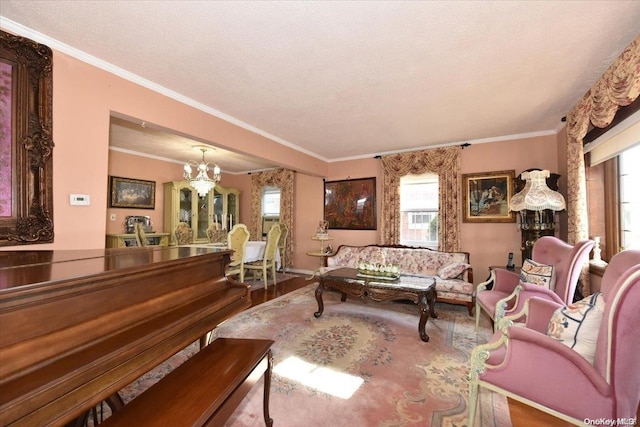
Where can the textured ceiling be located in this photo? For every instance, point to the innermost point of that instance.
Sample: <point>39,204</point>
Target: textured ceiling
<point>345,79</point>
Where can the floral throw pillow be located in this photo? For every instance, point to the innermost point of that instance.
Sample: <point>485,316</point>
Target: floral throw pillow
<point>578,324</point>
<point>451,271</point>
<point>538,274</point>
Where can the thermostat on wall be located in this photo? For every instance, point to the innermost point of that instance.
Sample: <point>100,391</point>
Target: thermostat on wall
<point>79,200</point>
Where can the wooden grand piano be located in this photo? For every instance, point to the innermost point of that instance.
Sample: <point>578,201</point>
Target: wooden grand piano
<point>77,326</point>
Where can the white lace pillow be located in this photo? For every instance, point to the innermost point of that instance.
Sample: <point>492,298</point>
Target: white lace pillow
<point>578,324</point>
<point>538,274</point>
<point>451,271</point>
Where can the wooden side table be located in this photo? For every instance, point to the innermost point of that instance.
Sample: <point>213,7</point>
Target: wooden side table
<point>322,253</point>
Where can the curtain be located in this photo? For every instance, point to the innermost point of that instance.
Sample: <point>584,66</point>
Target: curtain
<point>619,86</point>
<point>284,179</point>
<point>443,161</point>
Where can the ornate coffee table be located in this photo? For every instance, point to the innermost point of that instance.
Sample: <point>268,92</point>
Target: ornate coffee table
<point>419,290</point>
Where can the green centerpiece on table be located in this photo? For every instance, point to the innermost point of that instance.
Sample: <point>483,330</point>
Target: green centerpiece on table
<point>374,269</point>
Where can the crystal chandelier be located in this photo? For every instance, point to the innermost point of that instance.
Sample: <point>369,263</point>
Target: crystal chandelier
<point>202,182</point>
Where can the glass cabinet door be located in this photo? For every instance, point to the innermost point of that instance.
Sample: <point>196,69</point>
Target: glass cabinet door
<point>186,206</point>
<point>232,201</point>
<point>203,216</point>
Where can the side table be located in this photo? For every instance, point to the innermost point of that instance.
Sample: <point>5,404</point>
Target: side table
<point>321,253</point>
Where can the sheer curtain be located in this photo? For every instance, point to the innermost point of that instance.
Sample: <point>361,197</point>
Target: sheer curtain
<point>284,179</point>
<point>443,161</point>
<point>619,86</point>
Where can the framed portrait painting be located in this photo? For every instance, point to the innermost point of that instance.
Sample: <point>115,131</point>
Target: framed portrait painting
<point>131,193</point>
<point>350,204</point>
<point>486,196</point>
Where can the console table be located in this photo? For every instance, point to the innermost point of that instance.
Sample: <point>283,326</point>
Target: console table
<point>125,240</point>
<point>419,290</point>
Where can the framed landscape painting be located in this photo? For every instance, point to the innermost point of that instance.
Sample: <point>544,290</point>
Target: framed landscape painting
<point>131,193</point>
<point>486,196</point>
<point>350,204</point>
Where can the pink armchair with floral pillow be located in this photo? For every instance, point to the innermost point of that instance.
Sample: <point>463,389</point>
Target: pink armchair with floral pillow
<point>563,263</point>
<point>545,364</point>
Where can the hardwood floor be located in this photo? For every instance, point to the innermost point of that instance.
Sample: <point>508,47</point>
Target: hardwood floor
<point>521,414</point>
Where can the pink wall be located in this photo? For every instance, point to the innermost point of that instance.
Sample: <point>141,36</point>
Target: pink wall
<point>489,243</point>
<point>85,97</point>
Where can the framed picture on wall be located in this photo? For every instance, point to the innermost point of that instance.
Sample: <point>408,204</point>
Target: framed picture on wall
<point>486,196</point>
<point>350,204</point>
<point>131,193</point>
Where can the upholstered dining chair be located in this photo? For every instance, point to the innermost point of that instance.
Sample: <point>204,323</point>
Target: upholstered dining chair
<point>141,236</point>
<point>269,259</point>
<point>509,293</point>
<point>215,235</point>
<point>529,365</point>
<point>237,240</point>
<point>282,245</point>
<point>183,234</point>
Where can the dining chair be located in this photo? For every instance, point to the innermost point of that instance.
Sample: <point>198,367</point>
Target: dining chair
<point>576,363</point>
<point>141,236</point>
<point>269,259</point>
<point>282,245</point>
<point>183,234</point>
<point>215,235</point>
<point>509,292</point>
<point>237,240</point>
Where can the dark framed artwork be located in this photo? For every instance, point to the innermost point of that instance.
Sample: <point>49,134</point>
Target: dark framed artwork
<point>487,195</point>
<point>350,204</point>
<point>26,144</point>
<point>131,193</point>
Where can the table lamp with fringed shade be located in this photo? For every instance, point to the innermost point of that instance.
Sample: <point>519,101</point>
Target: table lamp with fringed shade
<point>536,205</point>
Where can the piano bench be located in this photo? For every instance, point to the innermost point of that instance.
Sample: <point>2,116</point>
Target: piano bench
<point>205,390</point>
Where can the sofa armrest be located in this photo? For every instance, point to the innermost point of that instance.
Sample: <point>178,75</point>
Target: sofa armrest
<point>467,275</point>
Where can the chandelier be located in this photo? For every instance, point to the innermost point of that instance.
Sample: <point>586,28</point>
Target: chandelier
<point>201,182</point>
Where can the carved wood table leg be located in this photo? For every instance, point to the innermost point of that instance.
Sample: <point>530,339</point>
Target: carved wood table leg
<point>319,290</point>
<point>424,314</point>
<point>268,421</point>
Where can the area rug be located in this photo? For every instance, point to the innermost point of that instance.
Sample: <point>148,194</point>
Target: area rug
<point>360,364</point>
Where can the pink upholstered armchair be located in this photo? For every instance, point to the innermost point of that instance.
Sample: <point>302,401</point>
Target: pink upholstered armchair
<point>507,296</point>
<point>526,364</point>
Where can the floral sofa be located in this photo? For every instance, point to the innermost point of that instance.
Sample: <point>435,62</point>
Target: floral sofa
<point>452,271</point>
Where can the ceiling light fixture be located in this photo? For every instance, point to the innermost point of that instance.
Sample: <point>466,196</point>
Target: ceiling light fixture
<point>202,182</point>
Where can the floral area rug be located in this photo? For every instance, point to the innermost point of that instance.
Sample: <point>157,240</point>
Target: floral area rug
<point>362,363</point>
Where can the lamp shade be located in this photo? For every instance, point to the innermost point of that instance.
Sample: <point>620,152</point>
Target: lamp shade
<point>536,195</point>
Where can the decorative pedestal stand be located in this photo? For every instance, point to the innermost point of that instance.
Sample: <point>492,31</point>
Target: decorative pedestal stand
<point>322,253</point>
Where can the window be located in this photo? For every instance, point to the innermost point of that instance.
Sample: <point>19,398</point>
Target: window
<point>613,202</point>
<point>271,201</point>
<point>629,182</point>
<point>419,210</point>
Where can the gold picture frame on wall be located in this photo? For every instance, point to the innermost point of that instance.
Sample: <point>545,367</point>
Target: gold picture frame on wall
<point>131,193</point>
<point>487,196</point>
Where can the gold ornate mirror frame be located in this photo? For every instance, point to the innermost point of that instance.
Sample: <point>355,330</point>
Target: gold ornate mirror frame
<point>26,144</point>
